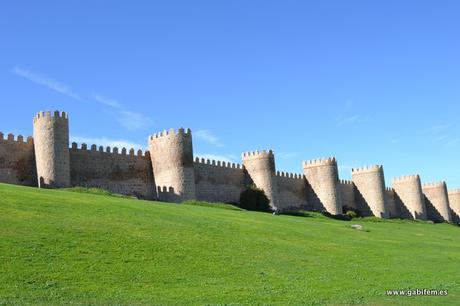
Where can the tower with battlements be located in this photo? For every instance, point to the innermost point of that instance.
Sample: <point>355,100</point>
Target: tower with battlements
<point>454,203</point>
<point>370,187</point>
<point>171,154</point>
<point>261,168</point>
<point>51,144</point>
<point>409,197</point>
<point>323,190</point>
<point>437,201</point>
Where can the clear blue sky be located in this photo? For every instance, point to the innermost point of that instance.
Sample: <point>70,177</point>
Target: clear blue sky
<point>370,82</point>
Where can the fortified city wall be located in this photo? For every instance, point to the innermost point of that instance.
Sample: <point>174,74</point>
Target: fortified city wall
<point>169,171</point>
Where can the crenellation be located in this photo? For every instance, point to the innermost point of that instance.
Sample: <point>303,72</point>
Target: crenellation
<point>325,161</point>
<point>404,178</point>
<point>19,139</point>
<point>366,169</point>
<point>434,184</point>
<point>171,132</point>
<point>257,154</point>
<point>49,115</point>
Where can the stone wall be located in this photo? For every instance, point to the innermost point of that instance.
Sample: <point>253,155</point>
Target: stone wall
<point>218,181</point>
<point>17,161</point>
<point>347,191</point>
<point>292,193</point>
<point>390,202</point>
<point>119,172</point>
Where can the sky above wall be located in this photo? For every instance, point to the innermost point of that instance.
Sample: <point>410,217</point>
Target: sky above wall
<point>370,82</point>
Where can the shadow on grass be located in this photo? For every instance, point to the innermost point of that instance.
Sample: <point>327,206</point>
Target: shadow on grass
<point>213,205</point>
<point>97,191</point>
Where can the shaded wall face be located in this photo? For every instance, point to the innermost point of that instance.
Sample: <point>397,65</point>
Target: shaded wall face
<point>437,203</point>
<point>390,201</point>
<point>323,190</point>
<point>261,169</point>
<point>292,193</point>
<point>454,203</point>
<point>51,144</point>
<point>370,195</point>
<point>117,173</point>
<point>17,162</point>
<point>219,183</point>
<point>172,163</point>
<point>410,200</point>
<point>347,192</point>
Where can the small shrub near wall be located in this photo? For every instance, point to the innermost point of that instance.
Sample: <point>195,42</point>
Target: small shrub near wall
<point>255,199</point>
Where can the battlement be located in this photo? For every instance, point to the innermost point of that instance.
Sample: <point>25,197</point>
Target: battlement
<point>19,139</point>
<point>114,150</point>
<point>218,163</point>
<point>434,184</point>
<point>257,154</point>
<point>366,169</point>
<point>406,178</point>
<point>289,175</point>
<point>346,182</point>
<point>452,191</point>
<point>171,132</point>
<point>48,114</point>
<point>390,189</point>
<point>319,162</point>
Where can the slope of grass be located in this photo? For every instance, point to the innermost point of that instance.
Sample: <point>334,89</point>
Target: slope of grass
<point>59,247</point>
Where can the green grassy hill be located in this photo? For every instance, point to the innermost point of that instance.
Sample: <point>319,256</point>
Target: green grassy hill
<point>61,247</point>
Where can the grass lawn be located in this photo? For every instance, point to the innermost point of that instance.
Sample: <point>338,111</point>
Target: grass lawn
<point>61,247</point>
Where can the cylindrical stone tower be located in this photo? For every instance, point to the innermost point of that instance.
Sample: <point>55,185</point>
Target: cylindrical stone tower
<point>454,202</point>
<point>323,185</point>
<point>370,186</point>
<point>409,197</point>
<point>51,144</point>
<point>261,168</point>
<point>171,153</point>
<point>437,201</point>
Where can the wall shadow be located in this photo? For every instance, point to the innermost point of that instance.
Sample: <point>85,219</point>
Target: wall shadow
<point>362,205</point>
<point>432,213</point>
<point>404,212</point>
